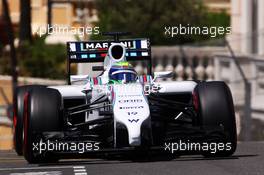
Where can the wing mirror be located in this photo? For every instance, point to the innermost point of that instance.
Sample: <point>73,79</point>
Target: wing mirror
<point>78,78</point>
<point>164,74</point>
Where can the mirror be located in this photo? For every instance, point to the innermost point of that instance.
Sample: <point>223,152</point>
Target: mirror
<point>78,79</point>
<point>164,74</point>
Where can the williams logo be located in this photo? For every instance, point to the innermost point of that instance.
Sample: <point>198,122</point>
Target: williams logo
<point>133,120</point>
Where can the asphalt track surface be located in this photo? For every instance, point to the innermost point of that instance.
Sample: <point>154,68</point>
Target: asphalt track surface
<point>248,159</point>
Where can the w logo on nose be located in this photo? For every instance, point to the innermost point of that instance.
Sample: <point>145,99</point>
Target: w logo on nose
<point>133,120</point>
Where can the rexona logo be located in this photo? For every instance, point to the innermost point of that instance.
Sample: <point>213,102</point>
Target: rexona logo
<point>131,101</point>
<point>132,107</point>
<point>105,45</point>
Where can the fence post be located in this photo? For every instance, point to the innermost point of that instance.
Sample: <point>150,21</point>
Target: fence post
<point>246,123</point>
<point>246,120</point>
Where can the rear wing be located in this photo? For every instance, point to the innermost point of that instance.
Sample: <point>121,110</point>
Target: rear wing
<point>95,51</point>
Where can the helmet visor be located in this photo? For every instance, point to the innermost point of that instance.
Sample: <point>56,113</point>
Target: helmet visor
<point>125,76</point>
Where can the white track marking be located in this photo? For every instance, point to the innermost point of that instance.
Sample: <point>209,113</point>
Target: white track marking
<point>79,170</point>
<point>79,167</point>
<point>36,168</point>
<point>39,173</point>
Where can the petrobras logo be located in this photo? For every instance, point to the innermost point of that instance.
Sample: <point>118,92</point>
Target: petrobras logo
<point>131,107</point>
<point>131,101</point>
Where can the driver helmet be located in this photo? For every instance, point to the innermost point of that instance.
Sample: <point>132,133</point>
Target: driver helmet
<point>122,72</point>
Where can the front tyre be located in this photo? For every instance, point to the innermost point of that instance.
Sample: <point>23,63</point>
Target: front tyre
<point>41,114</point>
<point>216,109</point>
<point>18,116</point>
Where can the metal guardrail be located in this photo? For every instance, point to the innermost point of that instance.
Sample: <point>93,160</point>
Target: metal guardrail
<point>4,119</point>
<point>4,110</point>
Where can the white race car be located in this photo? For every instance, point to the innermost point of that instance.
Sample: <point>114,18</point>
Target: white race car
<point>121,112</point>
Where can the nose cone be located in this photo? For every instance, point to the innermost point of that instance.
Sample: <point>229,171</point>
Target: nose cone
<point>135,141</point>
<point>130,107</point>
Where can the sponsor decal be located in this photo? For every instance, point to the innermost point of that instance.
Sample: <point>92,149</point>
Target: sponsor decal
<point>129,95</point>
<point>133,120</point>
<point>132,113</point>
<point>131,101</point>
<point>131,107</point>
<point>104,45</point>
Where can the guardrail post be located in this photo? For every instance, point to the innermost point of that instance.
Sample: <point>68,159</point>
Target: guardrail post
<point>12,49</point>
<point>246,122</point>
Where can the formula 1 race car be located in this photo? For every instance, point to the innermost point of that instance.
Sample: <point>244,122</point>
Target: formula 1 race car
<point>121,112</point>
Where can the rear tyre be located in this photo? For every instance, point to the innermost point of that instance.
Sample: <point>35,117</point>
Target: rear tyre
<point>18,116</point>
<point>216,108</point>
<point>42,113</point>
